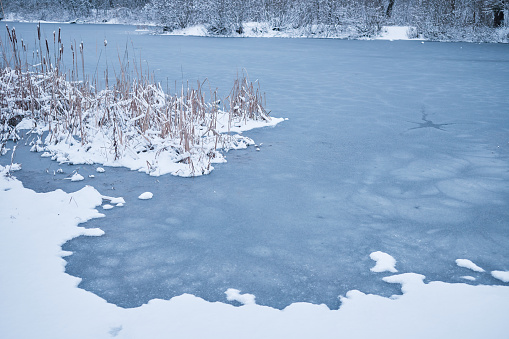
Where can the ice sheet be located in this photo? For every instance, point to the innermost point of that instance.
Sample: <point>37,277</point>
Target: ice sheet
<point>389,146</point>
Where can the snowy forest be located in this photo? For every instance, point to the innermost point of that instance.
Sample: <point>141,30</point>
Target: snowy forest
<point>475,20</point>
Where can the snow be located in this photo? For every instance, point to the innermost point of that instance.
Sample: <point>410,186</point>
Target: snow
<point>235,295</point>
<point>384,262</point>
<point>114,200</point>
<point>13,167</point>
<point>100,170</point>
<point>501,275</point>
<point>77,177</point>
<point>468,264</point>
<point>394,33</point>
<point>196,30</point>
<point>146,196</point>
<point>107,206</point>
<point>34,225</point>
<point>468,277</point>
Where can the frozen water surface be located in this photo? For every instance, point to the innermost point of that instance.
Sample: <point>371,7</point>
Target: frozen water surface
<point>400,147</point>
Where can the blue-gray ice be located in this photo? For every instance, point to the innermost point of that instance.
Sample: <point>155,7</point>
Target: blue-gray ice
<point>400,147</point>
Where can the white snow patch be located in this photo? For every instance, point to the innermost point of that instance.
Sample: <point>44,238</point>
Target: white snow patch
<point>107,206</point>
<point>146,196</point>
<point>501,275</point>
<point>12,168</point>
<point>235,295</point>
<point>468,264</point>
<point>77,177</point>
<point>100,170</point>
<point>113,200</point>
<point>395,33</point>
<point>468,277</point>
<point>197,30</point>
<point>384,262</point>
<point>26,123</point>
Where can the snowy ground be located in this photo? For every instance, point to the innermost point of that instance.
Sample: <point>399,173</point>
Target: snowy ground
<point>36,291</point>
<point>264,30</point>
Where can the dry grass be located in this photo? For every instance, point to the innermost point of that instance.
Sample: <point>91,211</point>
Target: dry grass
<point>130,108</point>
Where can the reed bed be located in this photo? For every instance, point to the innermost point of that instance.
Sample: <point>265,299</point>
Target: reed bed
<point>130,116</point>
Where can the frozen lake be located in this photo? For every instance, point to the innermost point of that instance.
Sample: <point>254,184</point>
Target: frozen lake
<point>400,147</point>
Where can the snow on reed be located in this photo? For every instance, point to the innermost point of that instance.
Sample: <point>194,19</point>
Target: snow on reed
<point>132,122</point>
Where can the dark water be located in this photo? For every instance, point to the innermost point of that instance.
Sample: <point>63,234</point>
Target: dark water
<point>400,147</point>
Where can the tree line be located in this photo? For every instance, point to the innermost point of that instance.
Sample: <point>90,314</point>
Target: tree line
<point>431,18</point>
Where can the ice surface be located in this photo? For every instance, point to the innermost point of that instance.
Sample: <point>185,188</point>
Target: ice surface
<point>398,147</point>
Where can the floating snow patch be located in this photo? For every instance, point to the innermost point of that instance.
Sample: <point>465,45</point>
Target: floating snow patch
<point>235,295</point>
<point>113,200</point>
<point>501,275</point>
<point>77,177</point>
<point>146,196</point>
<point>107,207</point>
<point>468,264</point>
<point>100,170</point>
<point>384,262</point>
<point>468,277</point>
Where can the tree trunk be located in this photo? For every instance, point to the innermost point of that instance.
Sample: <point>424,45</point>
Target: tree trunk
<point>388,12</point>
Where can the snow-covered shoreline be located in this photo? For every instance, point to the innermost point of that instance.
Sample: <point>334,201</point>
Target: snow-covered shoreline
<point>35,290</point>
<point>265,30</point>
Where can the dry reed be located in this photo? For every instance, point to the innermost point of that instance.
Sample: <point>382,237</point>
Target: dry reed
<point>132,111</point>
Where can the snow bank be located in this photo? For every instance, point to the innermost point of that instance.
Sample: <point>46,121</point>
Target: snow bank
<point>40,301</point>
<point>266,30</point>
<point>396,33</point>
<point>196,30</point>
